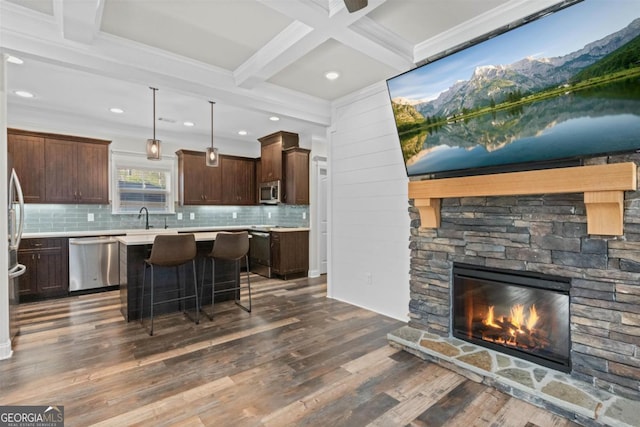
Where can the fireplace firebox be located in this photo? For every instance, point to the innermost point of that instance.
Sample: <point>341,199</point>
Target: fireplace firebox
<point>522,314</point>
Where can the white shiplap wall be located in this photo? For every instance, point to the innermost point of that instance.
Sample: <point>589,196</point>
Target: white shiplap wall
<point>369,222</point>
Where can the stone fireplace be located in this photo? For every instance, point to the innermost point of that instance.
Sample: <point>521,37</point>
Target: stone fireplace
<point>541,235</point>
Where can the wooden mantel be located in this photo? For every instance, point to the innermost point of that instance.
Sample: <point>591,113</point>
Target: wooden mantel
<point>603,187</point>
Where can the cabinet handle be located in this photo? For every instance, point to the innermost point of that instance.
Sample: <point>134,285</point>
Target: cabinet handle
<point>80,195</point>
<point>38,256</point>
<point>33,256</point>
<point>37,245</point>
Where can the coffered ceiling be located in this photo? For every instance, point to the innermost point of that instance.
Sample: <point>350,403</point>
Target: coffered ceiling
<point>255,58</point>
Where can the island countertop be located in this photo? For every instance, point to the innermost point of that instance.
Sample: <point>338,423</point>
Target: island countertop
<point>147,238</point>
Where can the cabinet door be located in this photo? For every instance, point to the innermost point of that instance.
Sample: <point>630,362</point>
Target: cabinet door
<point>27,153</point>
<point>92,173</point>
<point>238,180</point>
<point>191,179</point>
<point>296,185</point>
<point>27,283</point>
<point>245,178</point>
<point>61,182</point>
<point>271,157</point>
<point>51,272</point>
<point>212,184</point>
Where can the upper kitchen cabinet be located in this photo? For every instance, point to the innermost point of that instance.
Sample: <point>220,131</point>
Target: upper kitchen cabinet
<point>238,180</point>
<point>271,150</point>
<point>72,169</point>
<point>232,182</point>
<point>296,176</point>
<point>199,183</point>
<point>27,154</point>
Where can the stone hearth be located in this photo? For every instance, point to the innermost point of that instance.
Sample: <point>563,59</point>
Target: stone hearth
<point>547,388</point>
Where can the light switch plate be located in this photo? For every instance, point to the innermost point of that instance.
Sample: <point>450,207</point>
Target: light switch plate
<point>235,215</point>
<point>192,215</point>
<point>90,217</point>
<point>304,215</point>
<point>179,216</point>
<point>269,215</point>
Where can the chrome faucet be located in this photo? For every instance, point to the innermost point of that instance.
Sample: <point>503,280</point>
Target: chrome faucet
<point>146,222</point>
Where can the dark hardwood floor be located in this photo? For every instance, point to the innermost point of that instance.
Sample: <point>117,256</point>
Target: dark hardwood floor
<point>298,359</point>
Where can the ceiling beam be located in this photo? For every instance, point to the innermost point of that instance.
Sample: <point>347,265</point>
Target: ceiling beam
<point>313,25</point>
<point>79,20</point>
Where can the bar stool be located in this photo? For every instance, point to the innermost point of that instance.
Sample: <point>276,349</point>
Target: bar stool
<point>171,250</point>
<point>228,247</point>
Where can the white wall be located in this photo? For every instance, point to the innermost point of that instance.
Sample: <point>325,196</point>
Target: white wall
<point>369,222</point>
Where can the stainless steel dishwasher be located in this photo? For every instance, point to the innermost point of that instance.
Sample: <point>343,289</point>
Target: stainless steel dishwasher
<point>93,263</point>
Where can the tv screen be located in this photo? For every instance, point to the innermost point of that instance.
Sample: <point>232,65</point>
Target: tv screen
<point>553,91</point>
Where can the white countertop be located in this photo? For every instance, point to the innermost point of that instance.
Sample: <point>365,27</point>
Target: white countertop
<point>91,233</point>
<point>147,238</point>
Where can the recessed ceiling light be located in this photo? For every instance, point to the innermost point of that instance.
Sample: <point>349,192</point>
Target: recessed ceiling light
<point>14,60</point>
<point>189,124</point>
<point>274,118</point>
<point>116,110</point>
<point>24,94</point>
<point>332,75</point>
<point>242,132</point>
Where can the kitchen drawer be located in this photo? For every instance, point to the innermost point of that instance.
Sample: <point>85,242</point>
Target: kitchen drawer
<point>44,243</point>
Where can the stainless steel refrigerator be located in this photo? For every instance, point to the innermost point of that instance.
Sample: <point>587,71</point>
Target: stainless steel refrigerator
<point>16,226</point>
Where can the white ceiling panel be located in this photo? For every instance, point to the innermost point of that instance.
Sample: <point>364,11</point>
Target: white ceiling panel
<point>218,32</point>
<point>419,20</point>
<point>356,71</point>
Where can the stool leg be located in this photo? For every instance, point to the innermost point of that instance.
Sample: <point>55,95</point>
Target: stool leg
<point>195,291</point>
<point>152,286</point>
<point>213,284</point>
<point>144,277</point>
<point>181,292</point>
<point>247,309</point>
<point>248,281</point>
<point>204,270</point>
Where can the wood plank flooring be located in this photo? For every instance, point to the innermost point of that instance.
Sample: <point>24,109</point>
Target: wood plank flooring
<point>299,359</point>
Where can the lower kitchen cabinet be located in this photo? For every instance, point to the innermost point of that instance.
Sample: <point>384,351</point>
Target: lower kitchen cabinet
<point>47,263</point>
<point>289,252</point>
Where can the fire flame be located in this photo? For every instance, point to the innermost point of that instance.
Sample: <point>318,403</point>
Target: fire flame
<point>489,320</point>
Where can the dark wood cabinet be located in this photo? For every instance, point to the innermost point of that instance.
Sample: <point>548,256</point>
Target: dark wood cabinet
<point>27,155</point>
<point>296,176</point>
<point>199,183</point>
<point>238,180</point>
<point>271,150</point>
<point>47,262</point>
<point>233,182</point>
<point>60,168</point>
<point>289,252</point>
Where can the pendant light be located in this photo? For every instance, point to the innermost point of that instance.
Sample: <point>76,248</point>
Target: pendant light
<point>153,145</point>
<point>212,159</point>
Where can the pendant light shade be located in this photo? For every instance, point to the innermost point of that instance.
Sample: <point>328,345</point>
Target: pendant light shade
<point>212,159</point>
<point>153,145</point>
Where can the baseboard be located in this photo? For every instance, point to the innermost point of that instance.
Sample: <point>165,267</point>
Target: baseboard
<point>314,273</point>
<point>5,350</point>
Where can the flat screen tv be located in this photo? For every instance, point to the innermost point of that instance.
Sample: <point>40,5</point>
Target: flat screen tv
<point>560,88</point>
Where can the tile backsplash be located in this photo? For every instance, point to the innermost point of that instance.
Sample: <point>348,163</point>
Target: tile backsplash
<point>43,218</point>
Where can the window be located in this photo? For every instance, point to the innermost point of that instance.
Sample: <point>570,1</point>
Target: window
<point>138,182</point>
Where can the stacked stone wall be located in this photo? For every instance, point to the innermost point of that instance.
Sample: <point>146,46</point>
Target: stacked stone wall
<point>546,234</point>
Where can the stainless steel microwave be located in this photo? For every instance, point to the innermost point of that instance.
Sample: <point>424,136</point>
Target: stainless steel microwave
<point>270,192</point>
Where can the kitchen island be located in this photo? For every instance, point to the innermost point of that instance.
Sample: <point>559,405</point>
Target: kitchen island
<point>135,248</point>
